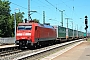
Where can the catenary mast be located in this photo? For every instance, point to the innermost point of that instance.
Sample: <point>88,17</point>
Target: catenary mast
<point>28,9</point>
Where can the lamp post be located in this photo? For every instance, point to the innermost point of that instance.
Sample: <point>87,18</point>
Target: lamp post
<point>15,21</point>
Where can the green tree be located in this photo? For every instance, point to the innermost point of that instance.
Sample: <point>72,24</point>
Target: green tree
<point>36,20</point>
<point>4,18</point>
<point>7,19</point>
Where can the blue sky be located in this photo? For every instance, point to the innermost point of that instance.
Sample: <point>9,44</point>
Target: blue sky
<point>74,9</point>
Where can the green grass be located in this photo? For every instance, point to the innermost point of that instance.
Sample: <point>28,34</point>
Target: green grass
<point>88,39</point>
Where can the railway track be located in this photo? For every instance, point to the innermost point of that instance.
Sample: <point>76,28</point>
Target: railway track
<point>17,54</point>
<point>8,51</point>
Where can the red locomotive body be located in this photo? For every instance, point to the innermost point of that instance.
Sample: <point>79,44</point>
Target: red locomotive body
<point>29,34</point>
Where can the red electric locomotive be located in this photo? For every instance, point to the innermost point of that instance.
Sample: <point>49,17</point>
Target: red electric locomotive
<point>30,34</point>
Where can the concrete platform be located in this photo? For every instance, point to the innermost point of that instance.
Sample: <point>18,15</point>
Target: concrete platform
<point>80,52</point>
<point>7,46</point>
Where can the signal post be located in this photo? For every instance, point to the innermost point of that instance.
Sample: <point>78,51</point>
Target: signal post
<point>86,23</point>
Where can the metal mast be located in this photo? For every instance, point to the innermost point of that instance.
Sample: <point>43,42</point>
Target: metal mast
<point>29,10</point>
<point>62,17</point>
<point>43,17</point>
<point>67,21</point>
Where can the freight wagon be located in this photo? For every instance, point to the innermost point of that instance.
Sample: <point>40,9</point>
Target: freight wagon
<point>80,34</point>
<point>64,34</point>
<point>84,35</point>
<point>61,33</point>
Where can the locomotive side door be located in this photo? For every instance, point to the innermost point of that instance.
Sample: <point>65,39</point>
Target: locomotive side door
<point>37,37</point>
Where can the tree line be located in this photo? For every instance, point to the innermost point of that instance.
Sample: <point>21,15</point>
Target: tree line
<point>7,19</point>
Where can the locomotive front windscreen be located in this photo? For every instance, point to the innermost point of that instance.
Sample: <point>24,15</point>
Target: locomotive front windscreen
<point>24,27</point>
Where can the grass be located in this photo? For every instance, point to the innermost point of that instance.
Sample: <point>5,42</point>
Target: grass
<point>88,40</point>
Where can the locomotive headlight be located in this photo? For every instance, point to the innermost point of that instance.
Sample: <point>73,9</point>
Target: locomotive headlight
<point>19,34</point>
<point>17,41</point>
<point>27,34</point>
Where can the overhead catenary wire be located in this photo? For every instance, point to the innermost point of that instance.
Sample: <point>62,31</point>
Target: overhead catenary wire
<point>43,6</point>
<point>65,4</point>
<point>50,4</point>
<point>25,8</point>
<point>54,6</point>
<point>19,5</point>
<point>72,8</point>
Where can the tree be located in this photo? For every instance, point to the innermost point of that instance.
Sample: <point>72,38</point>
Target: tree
<point>7,19</point>
<point>4,18</point>
<point>36,20</point>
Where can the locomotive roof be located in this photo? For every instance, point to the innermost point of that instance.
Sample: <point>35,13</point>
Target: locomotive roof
<point>36,24</point>
<point>28,24</point>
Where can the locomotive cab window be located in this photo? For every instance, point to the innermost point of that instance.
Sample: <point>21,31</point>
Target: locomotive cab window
<point>25,27</point>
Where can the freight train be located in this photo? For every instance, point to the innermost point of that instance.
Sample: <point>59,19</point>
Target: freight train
<point>32,34</point>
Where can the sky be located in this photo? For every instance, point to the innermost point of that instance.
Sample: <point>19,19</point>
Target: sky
<point>75,10</point>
